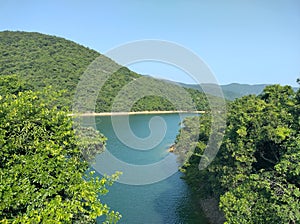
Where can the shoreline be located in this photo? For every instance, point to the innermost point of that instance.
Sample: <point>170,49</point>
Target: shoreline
<point>136,113</point>
<point>171,148</point>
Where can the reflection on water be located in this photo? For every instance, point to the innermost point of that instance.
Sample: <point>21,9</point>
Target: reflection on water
<point>168,201</point>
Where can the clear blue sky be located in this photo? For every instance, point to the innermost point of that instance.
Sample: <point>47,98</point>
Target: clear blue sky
<point>245,41</point>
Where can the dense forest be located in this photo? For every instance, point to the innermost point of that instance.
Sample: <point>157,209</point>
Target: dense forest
<point>256,173</point>
<point>43,161</point>
<point>42,60</point>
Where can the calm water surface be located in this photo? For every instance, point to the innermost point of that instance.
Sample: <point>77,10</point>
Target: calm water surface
<point>167,201</point>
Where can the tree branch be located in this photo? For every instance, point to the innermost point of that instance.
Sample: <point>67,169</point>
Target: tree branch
<point>269,160</point>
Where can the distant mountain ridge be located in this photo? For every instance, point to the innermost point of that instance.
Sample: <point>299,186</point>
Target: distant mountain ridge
<point>230,91</point>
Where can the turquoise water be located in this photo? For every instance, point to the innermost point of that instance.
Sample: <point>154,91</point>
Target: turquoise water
<point>166,201</point>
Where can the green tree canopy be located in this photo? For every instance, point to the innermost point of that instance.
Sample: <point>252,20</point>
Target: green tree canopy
<point>256,173</point>
<point>44,176</point>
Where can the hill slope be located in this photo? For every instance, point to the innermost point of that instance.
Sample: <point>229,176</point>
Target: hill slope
<point>42,60</point>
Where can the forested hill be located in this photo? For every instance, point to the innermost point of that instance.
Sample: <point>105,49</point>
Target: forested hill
<point>41,60</point>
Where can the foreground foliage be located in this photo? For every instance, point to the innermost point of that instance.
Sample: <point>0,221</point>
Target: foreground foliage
<point>43,171</point>
<point>256,174</point>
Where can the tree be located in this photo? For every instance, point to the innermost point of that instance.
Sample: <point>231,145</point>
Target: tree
<point>256,173</point>
<point>44,176</point>
<point>12,84</point>
<point>258,167</point>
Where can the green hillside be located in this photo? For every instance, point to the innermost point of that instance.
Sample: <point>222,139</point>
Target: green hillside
<point>41,60</point>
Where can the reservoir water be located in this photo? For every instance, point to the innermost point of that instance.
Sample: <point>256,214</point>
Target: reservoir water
<point>167,201</point>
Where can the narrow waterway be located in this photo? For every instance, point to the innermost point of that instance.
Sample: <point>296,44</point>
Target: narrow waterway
<point>166,201</point>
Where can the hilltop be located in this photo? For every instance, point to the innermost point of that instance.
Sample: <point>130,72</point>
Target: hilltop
<point>42,60</point>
